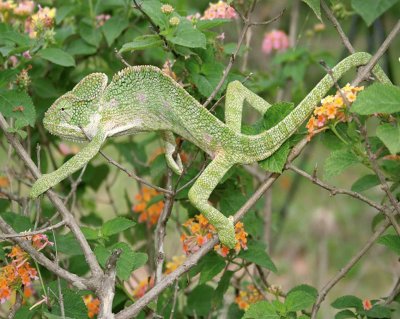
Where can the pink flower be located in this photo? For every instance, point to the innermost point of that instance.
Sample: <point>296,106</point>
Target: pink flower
<point>101,19</point>
<point>27,55</point>
<point>276,40</point>
<point>13,60</point>
<point>219,10</point>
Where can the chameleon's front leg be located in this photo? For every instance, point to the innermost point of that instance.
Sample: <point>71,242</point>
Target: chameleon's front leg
<point>47,181</point>
<point>170,146</point>
<point>201,191</point>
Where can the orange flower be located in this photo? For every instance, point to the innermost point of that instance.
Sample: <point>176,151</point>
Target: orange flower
<point>92,304</point>
<point>201,231</point>
<point>149,212</point>
<point>367,305</point>
<point>247,297</point>
<point>331,110</point>
<point>143,286</point>
<point>39,241</point>
<point>4,182</point>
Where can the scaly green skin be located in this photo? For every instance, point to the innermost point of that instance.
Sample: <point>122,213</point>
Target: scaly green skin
<point>142,98</point>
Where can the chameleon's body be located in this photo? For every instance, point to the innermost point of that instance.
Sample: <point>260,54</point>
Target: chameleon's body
<point>142,98</point>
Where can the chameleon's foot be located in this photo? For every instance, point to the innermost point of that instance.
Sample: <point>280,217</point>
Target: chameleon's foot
<point>227,234</point>
<point>175,165</point>
<point>40,186</point>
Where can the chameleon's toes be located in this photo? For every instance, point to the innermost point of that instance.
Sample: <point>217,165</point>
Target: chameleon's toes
<point>227,234</point>
<point>175,165</point>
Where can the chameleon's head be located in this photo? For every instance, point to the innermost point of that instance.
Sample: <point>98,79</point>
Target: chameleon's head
<point>77,111</point>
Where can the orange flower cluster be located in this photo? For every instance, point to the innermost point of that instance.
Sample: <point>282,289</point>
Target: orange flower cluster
<point>16,274</point>
<point>149,212</point>
<point>143,286</point>
<point>4,182</point>
<point>200,231</point>
<point>332,110</point>
<point>367,305</point>
<point>247,297</point>
<point>92,304</point>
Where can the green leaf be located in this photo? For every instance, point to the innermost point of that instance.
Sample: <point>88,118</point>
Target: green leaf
<point>80,47</point>
<point>338,161</point>
<point>377,98</point>
<point>186,35</point>
<point>199,301</point>
<point>315,5</point>
<point>261,310</point>
<point>19,106</point>
<point>276,113</point>
<point>142,43</point>
<point>390,136</point>
<point>153,9</point>
<point>365,182</point>
<point>113,28</point>
<point>371,10</point>
<point>62,12</point>
<point>57,56</point>
<point>223,285</point>
<point>90,33</point>
<point>116,225</point>
<point>209,24</point>
<point>18,222</point>
<point>256,253</point>
<point>391,241</point>
<point>211,269</point>
<point>299,300</point>
<point>345,314</point>
<point>90,234</point>
<point>24,313</point>
<point>94,176</point>
<point>379,311</point>
<point>347,301</point>
<point>66,244</point>
<point>276,162</point>
<point>127,262</point>
<point>48,315</point>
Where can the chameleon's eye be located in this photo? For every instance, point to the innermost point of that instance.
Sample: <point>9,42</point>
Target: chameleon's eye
<point>62,109</point>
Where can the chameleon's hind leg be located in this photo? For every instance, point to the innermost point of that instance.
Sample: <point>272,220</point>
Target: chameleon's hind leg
<point>236,95</point>
<point>201,191</point>
<point>170,145</point>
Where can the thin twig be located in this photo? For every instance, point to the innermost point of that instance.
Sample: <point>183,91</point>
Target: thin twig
<point>36,232</point>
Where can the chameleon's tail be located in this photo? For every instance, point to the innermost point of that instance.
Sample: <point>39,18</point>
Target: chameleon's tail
<point>277,135</point>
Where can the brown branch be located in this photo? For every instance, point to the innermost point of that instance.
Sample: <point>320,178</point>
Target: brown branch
<point>36,232</point>
<point>58,204</point>
<point>325,290</point>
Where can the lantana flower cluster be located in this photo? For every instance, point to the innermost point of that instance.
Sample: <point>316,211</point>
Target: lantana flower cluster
<point>149,212</point>
<point>200,231</point>
<point>219,10</point>
<point>276,40</point>
<point>92,304</point>
<point>332,110</point>
<point>18,273</point>
<point>248,296</point>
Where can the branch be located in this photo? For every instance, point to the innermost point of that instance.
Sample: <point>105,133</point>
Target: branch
<point>36,232</point>
<point>325,290</point>
<point>191,261</point>
<point>58,204</point>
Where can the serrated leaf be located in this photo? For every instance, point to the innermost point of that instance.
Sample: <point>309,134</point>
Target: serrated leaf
<point>276,162</point>
<point>211,269</point>
<point>315,5</point>
<point>390,136</point>
<point>347,301</point>
<point>57,56</point>
<point>209,24</point>
<point>113,28</point>
<point>371,10</point>
<point>365,182</point>
<point>338,161</point>
<point>116,225</point>
<point>186,35</point>
<point>379,311</point>
<point>390,241</point>
<point>377,98</point>
<point>90,33</point>
<point>142,43</point>
<point>299,300</point>
<point>223,285</point>
<point>19,106</point>
<point>256,253</point>
<point>276,113</point>
<point>153,9</point>
<point>345,314</point>
<point>261,310</point>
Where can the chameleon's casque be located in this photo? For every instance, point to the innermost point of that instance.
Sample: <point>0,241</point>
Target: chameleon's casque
<point>142,98</point>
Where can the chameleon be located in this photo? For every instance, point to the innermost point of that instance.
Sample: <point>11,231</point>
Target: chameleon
<point>144,99</point>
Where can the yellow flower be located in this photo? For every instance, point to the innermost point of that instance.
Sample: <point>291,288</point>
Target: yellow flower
<point>174,21</point>
<point>167,8</point>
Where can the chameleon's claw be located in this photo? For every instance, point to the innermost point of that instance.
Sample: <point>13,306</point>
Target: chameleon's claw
<point>40,186</point>
<point>227,234</point>
<point>175,165</point>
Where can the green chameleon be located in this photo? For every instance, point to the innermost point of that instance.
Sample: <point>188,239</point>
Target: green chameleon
<point>142,99</point>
